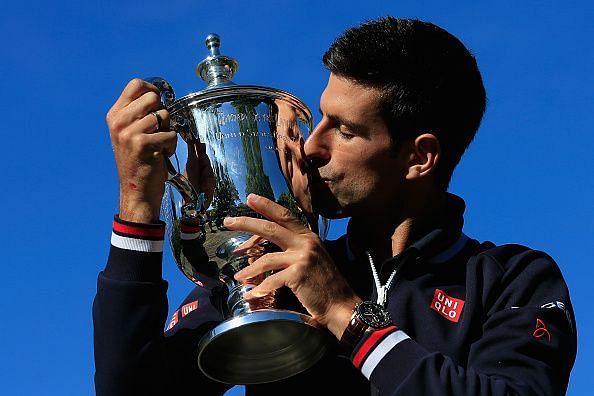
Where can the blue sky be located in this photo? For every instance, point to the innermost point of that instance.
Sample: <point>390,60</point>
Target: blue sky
<point>527,178</point>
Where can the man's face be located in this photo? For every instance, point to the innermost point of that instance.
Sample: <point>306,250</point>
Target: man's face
<point>359,173</point>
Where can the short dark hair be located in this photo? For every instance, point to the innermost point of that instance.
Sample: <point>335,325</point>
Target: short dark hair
<point>428,81</point>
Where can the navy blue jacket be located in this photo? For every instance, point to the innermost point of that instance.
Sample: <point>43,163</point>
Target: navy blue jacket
<point>471,319</point>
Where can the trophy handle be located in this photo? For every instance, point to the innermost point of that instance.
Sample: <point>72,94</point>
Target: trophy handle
<point>190,209</point>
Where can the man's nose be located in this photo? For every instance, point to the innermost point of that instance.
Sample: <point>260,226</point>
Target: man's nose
<point>316,147</point>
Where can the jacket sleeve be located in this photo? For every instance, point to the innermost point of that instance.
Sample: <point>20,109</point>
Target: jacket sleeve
<point>527,345</point>
<point>132,353</point>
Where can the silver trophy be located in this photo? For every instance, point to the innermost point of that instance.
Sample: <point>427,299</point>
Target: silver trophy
<point>237,140</point>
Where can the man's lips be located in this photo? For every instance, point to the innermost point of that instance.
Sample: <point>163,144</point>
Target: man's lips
<point>321,179</point>
<point>322,182</point>
<point>316,178</point>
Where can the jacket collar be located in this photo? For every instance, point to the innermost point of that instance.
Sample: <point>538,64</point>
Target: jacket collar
<point>444,239</point>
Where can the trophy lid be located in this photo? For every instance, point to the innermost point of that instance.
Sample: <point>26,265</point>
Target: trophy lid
<point>216,69</point>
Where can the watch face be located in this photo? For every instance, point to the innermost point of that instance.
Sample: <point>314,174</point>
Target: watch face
<point>373,315</point>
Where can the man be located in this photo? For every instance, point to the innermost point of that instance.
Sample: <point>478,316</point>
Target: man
<point>415,305</point>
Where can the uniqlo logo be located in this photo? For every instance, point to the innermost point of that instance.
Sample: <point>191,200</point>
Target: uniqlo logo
<point>189,307</point>
<point>448,307</point>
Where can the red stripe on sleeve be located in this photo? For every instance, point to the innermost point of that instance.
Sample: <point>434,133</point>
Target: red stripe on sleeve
<point>370,342</point>
<point>189,229</point>
<point>139,231</point>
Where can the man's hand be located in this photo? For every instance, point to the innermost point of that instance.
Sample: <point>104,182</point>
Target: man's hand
<point>140,148</point>
<point>303,265</point>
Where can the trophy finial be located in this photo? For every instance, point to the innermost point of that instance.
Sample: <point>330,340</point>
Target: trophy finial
<point>213,42</point>
<point>216,69</point>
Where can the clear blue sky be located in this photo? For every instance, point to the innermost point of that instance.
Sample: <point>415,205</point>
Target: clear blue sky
<point>527,178</point>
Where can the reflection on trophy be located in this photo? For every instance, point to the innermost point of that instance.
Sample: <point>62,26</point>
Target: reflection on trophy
<point>237,140</point>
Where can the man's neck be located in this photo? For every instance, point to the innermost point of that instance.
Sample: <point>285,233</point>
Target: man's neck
<point>389,235</point>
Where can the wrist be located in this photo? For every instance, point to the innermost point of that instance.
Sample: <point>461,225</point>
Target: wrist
<point>139,211</point>
<point>341,315</point>
<point>366,317</point>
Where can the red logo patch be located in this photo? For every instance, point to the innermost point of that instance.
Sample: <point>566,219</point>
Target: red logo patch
<point>541,330</point>
<point>189,307</point>
<point>448,307</point>
<point>173,321</point>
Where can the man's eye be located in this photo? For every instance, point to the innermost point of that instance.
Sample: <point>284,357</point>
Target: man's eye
<point>345,134</point>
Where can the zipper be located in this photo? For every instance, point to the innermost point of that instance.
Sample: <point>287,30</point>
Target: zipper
<point>382,290</point>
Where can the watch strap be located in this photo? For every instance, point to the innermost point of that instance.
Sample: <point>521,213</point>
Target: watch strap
<point>353,333</point>
<point>357,328</point>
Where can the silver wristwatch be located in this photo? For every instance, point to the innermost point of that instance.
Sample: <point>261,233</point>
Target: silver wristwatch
<point>367,316</point>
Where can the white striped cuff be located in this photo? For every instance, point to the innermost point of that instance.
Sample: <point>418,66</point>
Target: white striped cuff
<point>186,236</point>
<point>381,350</point>
<point>139,245</point>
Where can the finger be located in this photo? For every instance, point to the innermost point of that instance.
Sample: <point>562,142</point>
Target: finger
<point>251,242</point>
<point>277,213</point>
<point>252,248</point>
<point>133,90</point>
<point>268,285</point>
<point>155,145</point>
<point>150,124</point>
<point>162,119</point>
<point>269,230</point>
<point>140,108</point>
<point>166,141</point>
<point>266,263</point>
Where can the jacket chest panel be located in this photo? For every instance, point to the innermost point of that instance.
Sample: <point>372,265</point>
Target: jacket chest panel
<point>437,315</point>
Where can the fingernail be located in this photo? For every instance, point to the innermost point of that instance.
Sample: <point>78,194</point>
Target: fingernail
<point>253,197</point>
<point>229,220</point>
<point>238,276</point>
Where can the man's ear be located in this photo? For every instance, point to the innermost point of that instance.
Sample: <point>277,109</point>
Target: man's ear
<point>423,157</point>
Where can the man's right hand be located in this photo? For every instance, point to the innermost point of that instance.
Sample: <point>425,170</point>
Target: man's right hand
<point>140,150</point>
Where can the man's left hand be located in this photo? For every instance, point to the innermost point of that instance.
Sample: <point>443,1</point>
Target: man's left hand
<point>303,265</point>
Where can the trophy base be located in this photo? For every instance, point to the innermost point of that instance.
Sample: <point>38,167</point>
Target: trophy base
<point>261,346</point>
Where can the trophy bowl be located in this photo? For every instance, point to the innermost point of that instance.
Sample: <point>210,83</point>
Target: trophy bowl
<point>235,140</point>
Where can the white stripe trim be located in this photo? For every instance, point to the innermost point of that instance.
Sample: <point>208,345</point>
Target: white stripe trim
<point>382,350</point>
<point>451,251</point>
<point>188,237</point>
<point>139,245</point>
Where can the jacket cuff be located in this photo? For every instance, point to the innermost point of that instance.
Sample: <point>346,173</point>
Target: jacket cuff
<point>137,236</point>
<point>189,232</point>
<point>387,356</point>
<point>136,251</point>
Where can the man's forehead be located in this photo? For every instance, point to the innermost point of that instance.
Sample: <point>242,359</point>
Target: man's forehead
<point>342,94</point>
